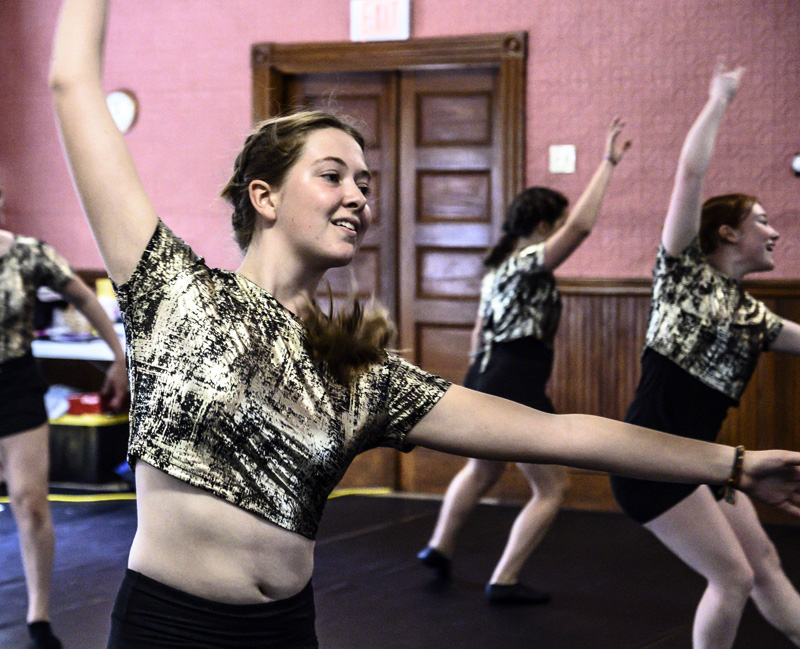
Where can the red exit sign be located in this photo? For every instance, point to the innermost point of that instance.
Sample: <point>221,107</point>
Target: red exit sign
<point>380,20</point>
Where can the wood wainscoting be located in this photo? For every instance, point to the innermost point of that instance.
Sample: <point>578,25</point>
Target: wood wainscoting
<point>596,371</point>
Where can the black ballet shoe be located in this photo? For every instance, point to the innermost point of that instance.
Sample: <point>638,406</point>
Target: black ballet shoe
<point>515,594</point>
<point>436,561</point>
<point>42,636</point>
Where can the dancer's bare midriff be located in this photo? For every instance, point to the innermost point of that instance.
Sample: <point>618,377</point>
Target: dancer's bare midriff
<point>200,544</point>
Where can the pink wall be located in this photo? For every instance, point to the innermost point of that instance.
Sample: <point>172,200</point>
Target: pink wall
<point>188,61</point>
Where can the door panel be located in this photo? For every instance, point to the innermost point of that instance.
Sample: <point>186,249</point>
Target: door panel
<point>457,117</point>
<point>453,196</point>
<point>450,205</point>
<point>449,198</point>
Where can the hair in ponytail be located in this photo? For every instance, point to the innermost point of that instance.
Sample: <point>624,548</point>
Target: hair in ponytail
<point>531,207</point>
<point>351,340</point>
<point>501,250</point>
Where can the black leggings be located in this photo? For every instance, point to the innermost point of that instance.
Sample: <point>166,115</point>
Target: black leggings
<point>150,615</point>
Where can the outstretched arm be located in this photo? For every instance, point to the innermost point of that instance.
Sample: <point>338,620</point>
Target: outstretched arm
<point>83,298</point>
<point>473,424</point>
<point>119,212</point>
<point>682,222</point>
<point>582,217</point>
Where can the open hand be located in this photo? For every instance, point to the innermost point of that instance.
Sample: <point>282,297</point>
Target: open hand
<point>116,387</point>
<point>773,477</point>
<point>615,150</point>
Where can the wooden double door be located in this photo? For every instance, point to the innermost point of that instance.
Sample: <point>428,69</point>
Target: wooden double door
<point>445,148</point>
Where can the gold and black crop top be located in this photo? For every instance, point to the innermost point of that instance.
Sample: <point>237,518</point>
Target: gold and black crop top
<point>226,397</point>
<point>27,265</point>
<point>519,298</point>
<point>703,321</point>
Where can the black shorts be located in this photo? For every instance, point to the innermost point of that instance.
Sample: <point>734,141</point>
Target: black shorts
<point>22,389</point>
<point>672,401</point>
<point>150,615</point>
<point>517,370</point>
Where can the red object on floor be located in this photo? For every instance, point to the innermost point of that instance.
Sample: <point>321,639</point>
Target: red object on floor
<point>88,403</point>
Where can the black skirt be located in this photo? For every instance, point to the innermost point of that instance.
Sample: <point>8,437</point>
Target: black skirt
<point>150,615</point>
<point>22,389</point>
<point>671,400</point>
<point>517,370</point>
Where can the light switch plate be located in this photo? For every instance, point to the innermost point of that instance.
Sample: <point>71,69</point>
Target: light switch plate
<point>562,158</point>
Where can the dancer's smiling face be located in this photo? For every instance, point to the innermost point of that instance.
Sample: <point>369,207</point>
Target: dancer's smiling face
<point>321,208</point>
<point>756,240</point>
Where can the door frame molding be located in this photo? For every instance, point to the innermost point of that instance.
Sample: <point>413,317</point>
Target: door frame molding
<point>271,63</point>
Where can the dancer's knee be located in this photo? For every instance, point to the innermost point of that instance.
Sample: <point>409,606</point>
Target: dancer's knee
<point>736,582</point>
<point>31,509</point>
<point>562,485</point>
<point>554,495</point>
<point>484,474</point>
<point>549,488</point>
<point>766,564</point>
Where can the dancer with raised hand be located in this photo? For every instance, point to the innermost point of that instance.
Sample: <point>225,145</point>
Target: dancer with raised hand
<point>25,265</point>
<point>512,357</point>
<point>702,344</point>
<point>241,425</point>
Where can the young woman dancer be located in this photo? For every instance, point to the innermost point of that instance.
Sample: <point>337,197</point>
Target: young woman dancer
<point>704,338</point>
<point>25,265</point>
<point>512,352</point>
<point>240,426</point>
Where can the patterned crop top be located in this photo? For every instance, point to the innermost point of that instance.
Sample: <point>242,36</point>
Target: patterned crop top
<point>226,397</point>
<point>27,265</point>
<point>519,298</point>
<point>703,321</point>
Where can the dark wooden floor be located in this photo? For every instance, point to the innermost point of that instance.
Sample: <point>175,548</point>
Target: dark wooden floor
<point>613,585</point>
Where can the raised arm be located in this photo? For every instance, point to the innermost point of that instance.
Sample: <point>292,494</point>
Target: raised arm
<point>120,214</point>
<point>682,222</point>
<point>582,217</point>
<point>465,422</point>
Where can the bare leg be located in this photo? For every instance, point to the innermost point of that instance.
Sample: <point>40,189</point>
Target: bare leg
<point>466,488</point>
<point>25,458</point>
<point>701,536</point>
<point>548,484</point>
<point>773,593</point>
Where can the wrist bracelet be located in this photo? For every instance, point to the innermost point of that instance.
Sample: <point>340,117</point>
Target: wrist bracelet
<point>735,479</point>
